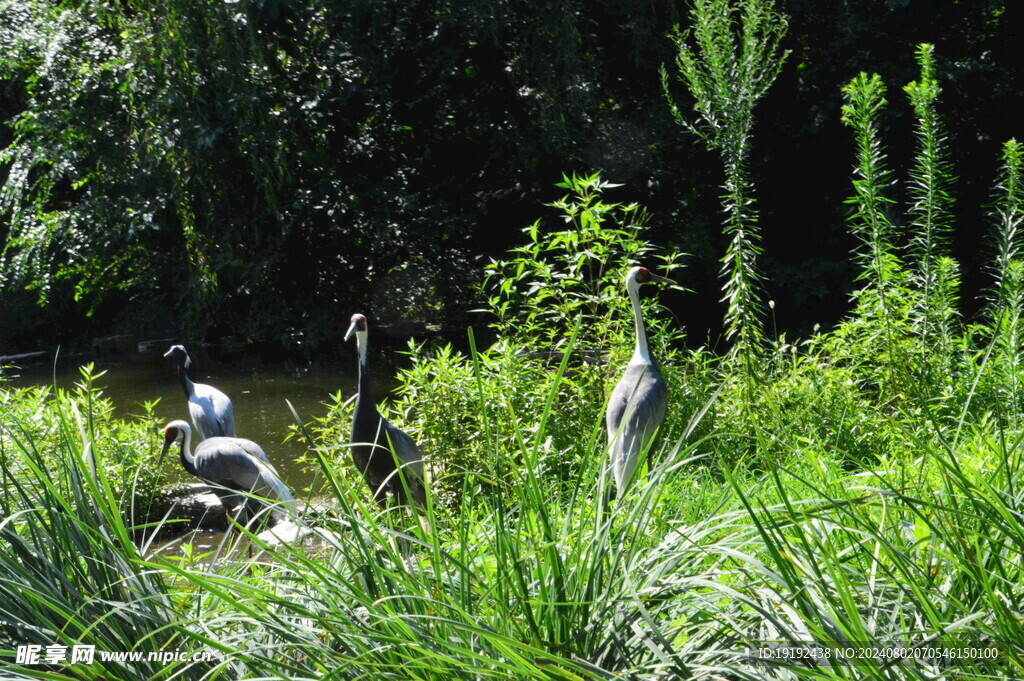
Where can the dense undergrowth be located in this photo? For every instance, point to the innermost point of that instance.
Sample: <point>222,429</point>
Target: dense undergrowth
<point>864,493</point>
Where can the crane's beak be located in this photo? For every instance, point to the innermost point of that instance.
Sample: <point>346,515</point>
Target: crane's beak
<point>163,452</point>
<point>169,353</point>
<point>661,280</point>
<point>170,437</point>
<point>351,331</point>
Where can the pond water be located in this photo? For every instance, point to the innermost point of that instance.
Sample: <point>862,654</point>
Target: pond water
<point>257,390</point>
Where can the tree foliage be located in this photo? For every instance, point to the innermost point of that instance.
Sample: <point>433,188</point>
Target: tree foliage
<point>234,161</point>
<point>260,168</point>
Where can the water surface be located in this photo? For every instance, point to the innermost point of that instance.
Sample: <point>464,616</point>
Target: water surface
<point>258,391</point>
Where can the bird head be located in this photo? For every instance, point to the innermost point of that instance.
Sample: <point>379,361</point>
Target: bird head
<point>358,325</point>
<point>174,432</point>
<point>642,275</point>
<point>179,353</point>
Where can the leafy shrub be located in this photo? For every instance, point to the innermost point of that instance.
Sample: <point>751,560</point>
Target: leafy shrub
<point>562,291</point>
<point>36,418</point>
<point>561,277</point>
<point>473,414</point>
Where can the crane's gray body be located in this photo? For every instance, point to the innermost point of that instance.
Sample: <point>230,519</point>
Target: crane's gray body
<point>231,465</point>
<point>239,464</point>
<point>637,406</point>
<point>377,445</point>
<point>636,409</point>
<point>211,410</point>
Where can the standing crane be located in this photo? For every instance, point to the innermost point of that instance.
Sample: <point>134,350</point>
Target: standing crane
<point>636,408</point>
<point>210,409</point>
<point>232,467</point>
<point>377,444</point>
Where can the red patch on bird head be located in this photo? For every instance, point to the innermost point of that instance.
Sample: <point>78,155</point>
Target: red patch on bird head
<point>643,275</point>
<point>360,322</point>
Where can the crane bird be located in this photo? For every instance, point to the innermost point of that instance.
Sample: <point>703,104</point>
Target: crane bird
<point>377,444</point>
<point>210,409</point>
<point>231,466</point>
<point>636,408</point>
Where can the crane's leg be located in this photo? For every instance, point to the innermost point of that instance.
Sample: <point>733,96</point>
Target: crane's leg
<point>236,509</point>
<point>380,495</point>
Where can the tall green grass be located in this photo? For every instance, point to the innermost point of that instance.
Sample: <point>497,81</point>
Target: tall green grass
<point>682,578</point>
<point>71,574</point>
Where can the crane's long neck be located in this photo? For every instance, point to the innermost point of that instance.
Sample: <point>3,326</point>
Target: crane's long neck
<point>642,354</point>
<point>186,383</point>
<point>365,394</point>
<point>188,462</point>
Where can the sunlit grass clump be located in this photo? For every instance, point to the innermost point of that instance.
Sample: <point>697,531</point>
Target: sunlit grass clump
<point>682,578</point>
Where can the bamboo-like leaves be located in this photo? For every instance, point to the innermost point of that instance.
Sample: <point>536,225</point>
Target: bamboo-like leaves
<point>734,59</point>
<point>1006,305</point>
<point>930,211</point>
<point>863,102</point>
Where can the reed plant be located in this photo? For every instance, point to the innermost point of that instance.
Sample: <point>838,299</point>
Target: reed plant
<point>72,574</point>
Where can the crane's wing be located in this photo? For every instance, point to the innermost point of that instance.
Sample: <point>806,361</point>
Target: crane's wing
<point>201,411</point>
<point>226,415</point>
<point>230,462</point>
<point>636,409</point>
<point>405,448</point>
<point>254,449</point>
<point>212,412</point>
<point>408,454</point>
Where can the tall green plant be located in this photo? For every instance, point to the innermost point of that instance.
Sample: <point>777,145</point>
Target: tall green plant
<point>560,276</point>
<point>732,63</point>
<point>863,101</point>
<point>1004,311</point>
<point>1008,211</point>
<point>930,213</point>
<point>904,333</point>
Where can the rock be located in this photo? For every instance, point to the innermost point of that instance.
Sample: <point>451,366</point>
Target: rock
<point>302,524</point>
<point>24,358</point>
<point>197,506</point>
<point>155,345</point>
<point>194,506</point>
<point>284,532</point>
